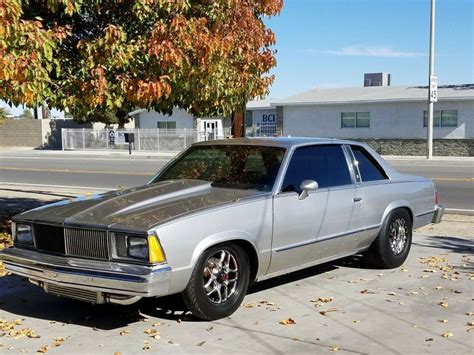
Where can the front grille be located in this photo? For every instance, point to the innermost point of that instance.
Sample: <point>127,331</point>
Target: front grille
<point>49,238</point>
<point>86,243</point>
<point>76,293</point>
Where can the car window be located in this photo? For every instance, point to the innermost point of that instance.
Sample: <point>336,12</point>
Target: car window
<point>326,164</point>
<point>369,169</point>
<point>228,166</point>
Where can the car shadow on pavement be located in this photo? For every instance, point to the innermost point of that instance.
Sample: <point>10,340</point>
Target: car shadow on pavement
<point>22,299</point>
<point>452,244</point>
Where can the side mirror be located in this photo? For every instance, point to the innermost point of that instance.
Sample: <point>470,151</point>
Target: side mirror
<point>307,185</point>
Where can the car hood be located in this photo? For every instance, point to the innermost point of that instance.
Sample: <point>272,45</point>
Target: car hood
<point>139,208</point>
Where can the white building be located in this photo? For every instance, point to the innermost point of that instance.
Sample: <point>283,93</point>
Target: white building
<point>370,112</point>
<point>208,127</point>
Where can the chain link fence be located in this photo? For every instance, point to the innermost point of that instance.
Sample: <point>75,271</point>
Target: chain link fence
<point>161,140</point>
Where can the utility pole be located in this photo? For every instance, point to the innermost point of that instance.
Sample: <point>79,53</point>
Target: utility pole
<point>433,82</point>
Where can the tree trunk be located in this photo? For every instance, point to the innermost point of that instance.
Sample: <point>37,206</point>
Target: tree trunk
<point>238,124</point>
<point>122,118</point>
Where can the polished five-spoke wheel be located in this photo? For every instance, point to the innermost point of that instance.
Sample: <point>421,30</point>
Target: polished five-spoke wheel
<point>221,275</point>
<point>218,283</point>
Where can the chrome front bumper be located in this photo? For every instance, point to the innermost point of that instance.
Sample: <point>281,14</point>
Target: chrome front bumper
<point>110,280</point>
<point>438,214</point>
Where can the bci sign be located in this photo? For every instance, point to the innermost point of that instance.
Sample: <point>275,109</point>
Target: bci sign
<point>268,118</point>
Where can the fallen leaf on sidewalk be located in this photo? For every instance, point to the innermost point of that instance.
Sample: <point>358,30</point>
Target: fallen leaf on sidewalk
<point>447,335</point>
<point>248,305</point>
<point>43,349</point>
<point>124,332</point>
<point>366,292</point>
<point>335,348</point>
<point>443,304</point>
<point>151,332</point>
<point>288,321</point>
<point>442,321</point>
<point>324,313</point>
<point>470,324</point>
<point>58,341</point>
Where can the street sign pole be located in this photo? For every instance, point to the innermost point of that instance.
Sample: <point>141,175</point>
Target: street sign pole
<point>433,82</point>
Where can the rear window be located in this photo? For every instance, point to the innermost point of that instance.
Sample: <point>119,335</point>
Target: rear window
<point>369,169</point>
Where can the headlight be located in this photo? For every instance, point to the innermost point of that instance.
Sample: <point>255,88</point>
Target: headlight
<point>145,248</point>
<point>22,234</point>
<point>137,247</point>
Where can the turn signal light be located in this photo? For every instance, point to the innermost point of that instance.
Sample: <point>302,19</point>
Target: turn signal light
<point>155,253</point>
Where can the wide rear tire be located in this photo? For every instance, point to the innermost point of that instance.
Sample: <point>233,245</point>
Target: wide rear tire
<point>393,243</point>
<point>218,283</point>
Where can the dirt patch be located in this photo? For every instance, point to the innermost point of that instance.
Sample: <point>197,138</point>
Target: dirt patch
<point>452,225</point>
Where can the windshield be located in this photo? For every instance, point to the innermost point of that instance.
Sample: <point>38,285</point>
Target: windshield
<point>228,166</point>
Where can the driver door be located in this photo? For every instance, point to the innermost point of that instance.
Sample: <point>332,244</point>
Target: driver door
<point>297,223</point>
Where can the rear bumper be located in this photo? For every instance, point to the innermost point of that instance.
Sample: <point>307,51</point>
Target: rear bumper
<point>106,278</point>
<point>438,214</point>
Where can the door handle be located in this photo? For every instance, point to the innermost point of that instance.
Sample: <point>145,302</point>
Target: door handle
<point>357,199</point>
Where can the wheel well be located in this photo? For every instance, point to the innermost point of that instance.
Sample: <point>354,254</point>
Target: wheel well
<point>409,212</point>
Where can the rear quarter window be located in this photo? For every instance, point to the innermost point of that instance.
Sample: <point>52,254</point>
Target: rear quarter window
<point>369,168</point>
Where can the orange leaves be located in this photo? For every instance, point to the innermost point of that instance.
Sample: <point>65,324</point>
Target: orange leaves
<point>206,56</point>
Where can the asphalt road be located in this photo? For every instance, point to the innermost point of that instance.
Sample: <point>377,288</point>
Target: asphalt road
<point>454,179</point>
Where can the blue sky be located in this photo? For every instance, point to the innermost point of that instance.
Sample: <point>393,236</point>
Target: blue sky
<point>332,43</point>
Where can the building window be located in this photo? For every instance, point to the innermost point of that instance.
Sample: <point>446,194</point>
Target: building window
<point>355,119</point>
<point>166,124</point>
<point>442,118</point>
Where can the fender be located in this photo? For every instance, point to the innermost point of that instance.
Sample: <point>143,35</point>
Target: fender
<point>394,205</point>
<point>180,277</point>
<point>222,237</point>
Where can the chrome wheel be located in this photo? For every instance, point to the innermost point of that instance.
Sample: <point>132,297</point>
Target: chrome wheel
<point>398,235</point>
<point>220,278</point>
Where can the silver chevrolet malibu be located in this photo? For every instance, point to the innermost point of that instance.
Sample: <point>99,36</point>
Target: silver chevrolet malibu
<point>221,215</point>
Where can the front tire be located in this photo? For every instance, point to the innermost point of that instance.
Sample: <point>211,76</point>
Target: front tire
<point>393,243</point>
<point>218,283</point>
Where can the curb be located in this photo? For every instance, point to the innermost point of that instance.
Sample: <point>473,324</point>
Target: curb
<point>459,211</point>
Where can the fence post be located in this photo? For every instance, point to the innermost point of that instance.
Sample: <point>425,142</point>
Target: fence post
<point>62,139</point>
<point>185,136</point>
<point>139,139</point>
<point>158,139</point>
<point>106,139</point>
<point>83,139</point>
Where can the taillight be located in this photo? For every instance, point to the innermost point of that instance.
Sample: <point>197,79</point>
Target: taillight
<point>436,198</point>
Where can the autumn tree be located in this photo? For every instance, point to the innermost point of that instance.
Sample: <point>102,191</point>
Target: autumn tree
<point>27,114</point>
<point>98,57</point>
